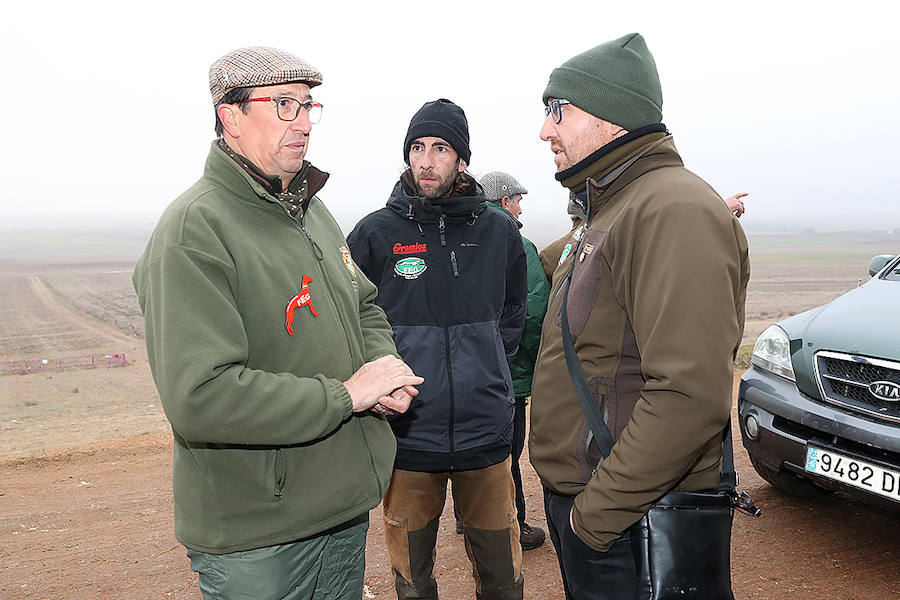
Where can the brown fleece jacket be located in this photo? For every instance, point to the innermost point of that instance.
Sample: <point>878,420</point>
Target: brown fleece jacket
<point>656,309</point>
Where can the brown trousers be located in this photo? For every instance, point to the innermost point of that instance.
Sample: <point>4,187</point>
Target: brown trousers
<point>485,503</point>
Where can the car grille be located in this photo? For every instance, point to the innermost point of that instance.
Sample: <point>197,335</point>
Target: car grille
<point>847,380</point>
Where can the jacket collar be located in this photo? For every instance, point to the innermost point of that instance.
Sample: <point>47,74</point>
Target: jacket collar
<point>593,184</point>
<point>229,167</point>
<point>465,202</point>
<point>602,160</point>
<point>492,204</point>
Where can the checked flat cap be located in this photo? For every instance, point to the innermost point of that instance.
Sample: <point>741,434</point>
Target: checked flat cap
<point>257,66</point>
<point>498,184</point>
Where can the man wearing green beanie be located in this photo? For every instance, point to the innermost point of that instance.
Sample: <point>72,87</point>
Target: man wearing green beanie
<point>659,269</point>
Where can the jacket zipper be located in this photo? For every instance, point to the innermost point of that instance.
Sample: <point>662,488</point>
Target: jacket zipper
<point>317,252</point>
<point>450,389</point>
<point>319,255</point>
<point>576,238</point>
<point>451,438</point>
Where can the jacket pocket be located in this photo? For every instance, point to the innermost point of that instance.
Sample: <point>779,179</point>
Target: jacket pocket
<point>396,534</point>
<point>586,280</point>
<point>276,468</point>
<point>604,392</point>
<point>482,386</point>
<point>588,451</point>
<point>424,425</point>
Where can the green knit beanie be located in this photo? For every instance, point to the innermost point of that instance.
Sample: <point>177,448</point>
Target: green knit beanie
<point>616,81</point>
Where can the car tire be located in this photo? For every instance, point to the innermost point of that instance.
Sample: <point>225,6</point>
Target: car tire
<point>788,482</point>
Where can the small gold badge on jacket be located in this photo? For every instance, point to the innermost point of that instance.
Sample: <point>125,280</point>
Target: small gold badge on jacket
<point>348,260</point>
<point>588,249</point>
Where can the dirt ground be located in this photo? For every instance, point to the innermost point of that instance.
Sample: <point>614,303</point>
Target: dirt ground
<point>85,480</point>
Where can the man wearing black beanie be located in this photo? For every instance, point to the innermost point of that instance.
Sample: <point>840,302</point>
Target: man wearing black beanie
<point>655,276</point>
<point>452,281</point>
<point>440,118</point>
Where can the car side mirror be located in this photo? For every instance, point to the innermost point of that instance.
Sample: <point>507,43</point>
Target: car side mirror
<point>877,263</point>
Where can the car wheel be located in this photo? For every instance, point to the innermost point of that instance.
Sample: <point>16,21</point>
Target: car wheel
<point>788,482</point>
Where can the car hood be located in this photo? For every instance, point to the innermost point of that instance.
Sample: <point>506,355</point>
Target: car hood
<point>862,321</point>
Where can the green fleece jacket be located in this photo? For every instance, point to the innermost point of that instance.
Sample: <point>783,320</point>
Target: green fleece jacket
<point>656,309</point>
<point>253,321</point>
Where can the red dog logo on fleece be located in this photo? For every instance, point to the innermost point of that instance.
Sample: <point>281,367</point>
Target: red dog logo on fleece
<point>303,298</point>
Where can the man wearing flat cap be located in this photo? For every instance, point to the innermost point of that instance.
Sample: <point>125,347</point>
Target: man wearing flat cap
<point>451,278</point>
<point>659,269</point>
<point>503,191</point>
<point>275,367</point>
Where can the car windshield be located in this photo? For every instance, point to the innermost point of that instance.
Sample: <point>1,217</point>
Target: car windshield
<point>893,272</point>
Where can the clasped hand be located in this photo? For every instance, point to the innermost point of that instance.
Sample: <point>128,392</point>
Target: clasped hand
<point>384,386</point>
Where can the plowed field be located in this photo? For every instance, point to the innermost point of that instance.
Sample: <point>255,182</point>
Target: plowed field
<point>85,459</point>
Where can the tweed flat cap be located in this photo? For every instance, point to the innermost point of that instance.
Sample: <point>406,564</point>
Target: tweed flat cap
<point>257,66</point>
<point>498,184</point>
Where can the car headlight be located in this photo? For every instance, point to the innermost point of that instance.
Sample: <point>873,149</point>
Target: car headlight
<point>772,352</point>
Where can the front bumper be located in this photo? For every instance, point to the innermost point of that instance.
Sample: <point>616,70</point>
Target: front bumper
<point>789,421</point>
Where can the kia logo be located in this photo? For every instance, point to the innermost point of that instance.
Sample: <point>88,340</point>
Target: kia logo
<point>885,390</point>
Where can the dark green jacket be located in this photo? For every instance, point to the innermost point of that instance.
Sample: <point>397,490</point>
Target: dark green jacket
<point>267,449</point>
<point>521,366</point>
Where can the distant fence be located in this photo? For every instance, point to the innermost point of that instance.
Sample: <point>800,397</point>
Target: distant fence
<point>64,363</point>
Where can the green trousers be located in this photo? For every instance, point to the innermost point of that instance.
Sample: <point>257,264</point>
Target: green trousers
<point>329,566</point>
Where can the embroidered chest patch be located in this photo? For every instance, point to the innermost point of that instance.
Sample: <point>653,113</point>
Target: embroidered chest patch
<point>409,248</point>
<point>410,268</point>
<point>565,253</point>
<point>576,237</point>
<point>303,298</point>
<point>348,260</point>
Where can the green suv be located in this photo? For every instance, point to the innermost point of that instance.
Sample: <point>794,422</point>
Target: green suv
<point>820,405</point>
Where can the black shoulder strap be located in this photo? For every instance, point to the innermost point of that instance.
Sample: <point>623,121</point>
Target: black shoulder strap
<point>576,373</point>
<point>728,478</point>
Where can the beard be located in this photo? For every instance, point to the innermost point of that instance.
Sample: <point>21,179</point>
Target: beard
<point>434,190</point>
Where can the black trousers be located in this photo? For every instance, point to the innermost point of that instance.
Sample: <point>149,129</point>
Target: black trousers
<point>518,444</point>
<point>586,573</point>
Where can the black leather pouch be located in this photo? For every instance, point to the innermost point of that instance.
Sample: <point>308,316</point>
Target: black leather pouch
<point>682,547</point>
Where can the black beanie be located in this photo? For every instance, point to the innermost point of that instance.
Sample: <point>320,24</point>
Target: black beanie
<point>440,118</point>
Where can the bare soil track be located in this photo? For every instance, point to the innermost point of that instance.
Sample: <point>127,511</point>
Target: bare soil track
<point>96,522</point>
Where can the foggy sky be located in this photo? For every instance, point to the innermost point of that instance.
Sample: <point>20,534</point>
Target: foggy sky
<point>108,117</point>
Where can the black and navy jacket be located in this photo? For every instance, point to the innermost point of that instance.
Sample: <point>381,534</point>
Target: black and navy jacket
<point>452,281</point>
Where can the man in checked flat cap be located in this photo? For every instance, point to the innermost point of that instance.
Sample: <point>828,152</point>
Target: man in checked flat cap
<point>275,367</point>
<point>504,192</point>
<point>656,274</point>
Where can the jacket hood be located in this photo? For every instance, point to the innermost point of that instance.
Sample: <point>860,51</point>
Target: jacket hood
<point>455,209</point>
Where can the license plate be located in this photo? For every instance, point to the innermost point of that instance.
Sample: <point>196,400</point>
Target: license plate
<point>855,473</point>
